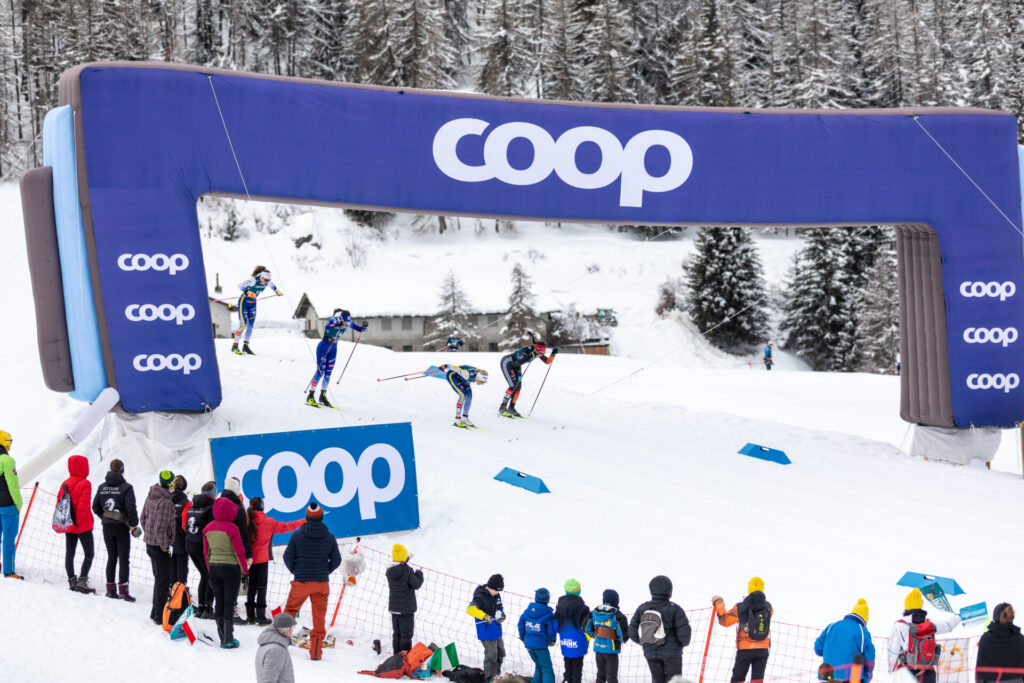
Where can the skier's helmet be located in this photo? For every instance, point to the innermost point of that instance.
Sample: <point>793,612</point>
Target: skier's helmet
<point>265,275</point>
<point>481,377</point>
<point>540,348</point>
<point>769,342</point>
<point>5,440</point>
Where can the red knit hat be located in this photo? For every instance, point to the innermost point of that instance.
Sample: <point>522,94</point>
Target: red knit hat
<point>314,511</point>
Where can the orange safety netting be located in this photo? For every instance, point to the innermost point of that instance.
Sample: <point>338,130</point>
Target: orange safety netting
<point>441,617</point>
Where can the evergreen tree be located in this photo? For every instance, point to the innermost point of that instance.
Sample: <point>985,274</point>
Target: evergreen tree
<point>454,314</point>
<point>555,79</point>
<point>609,43</point>
<point>816,323</point>
<point>507,51</point>
<point>328,60</point>
<point>878,317</point>
<point>727,290</point>
<point>369,45</point>
<point>424,54</point>
<point>522,324</point>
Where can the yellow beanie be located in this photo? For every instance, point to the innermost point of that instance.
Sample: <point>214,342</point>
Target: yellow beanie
<point>399,553</point>
<point>914,600</point>
<point>861,609</point>
<point>755,584</point>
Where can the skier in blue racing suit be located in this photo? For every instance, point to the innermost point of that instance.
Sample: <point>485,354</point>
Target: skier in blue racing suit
<point>327,350</point>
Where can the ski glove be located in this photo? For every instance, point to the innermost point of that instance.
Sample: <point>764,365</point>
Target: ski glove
<point>554,352</point>
<point>365,324</point>
<point>500,617</point>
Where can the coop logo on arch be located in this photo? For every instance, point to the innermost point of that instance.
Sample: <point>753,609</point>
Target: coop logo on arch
<point>624,162</point>
<point>994,290</point>
<point>363,477</point>
<point>995,335</point>
<point>173,264</point>
<point>999,381</point>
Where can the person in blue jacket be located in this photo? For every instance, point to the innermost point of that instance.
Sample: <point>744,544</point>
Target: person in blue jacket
<point>454,342</point>
<point>842,640</point>
<point>488,613</point>
<point>327,351</point>
<point>767,360</point>
<point>572,615</point>
<point>609,629</point>
<point>538,633</point>
<point>251,290</point>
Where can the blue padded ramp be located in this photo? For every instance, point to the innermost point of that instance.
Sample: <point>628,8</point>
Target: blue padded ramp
<point>522,480</point>
<point>765,453</point>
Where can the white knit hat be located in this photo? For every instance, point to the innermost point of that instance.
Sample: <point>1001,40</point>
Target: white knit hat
<point>233,485</point>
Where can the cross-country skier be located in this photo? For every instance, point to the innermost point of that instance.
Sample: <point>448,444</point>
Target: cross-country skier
<point>454,342</point>
<point>251,290</point>
<point>327,350</point>
<point>767,360</point>
<point>461,378</point>
<point>512,368</point>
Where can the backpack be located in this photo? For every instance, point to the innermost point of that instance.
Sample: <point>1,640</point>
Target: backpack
<point>64,513</point>
<point>652,628</point>
<point>604,628</point>
<point>759,621</point>
<point>464,674</point>
<point>180,600</point>
<point>392,667</point>
<point>921,648</point>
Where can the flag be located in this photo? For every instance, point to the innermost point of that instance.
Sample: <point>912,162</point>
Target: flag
<point>445,658</point>
<point>937,597</point>
<point>189,633</point>
<point>274,612</point>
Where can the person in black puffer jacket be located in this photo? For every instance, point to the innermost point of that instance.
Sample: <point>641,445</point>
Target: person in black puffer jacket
<point>199,514</point>
<point>312,554</point>
<point>403,582</point>
<point>1001,647</point>
<point>665,660</point>
<point>179,556</point>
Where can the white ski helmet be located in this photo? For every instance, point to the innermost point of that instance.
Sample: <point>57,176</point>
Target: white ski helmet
<point>481,377</point>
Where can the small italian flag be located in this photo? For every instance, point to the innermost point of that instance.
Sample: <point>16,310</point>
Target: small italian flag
<point>445,658</point>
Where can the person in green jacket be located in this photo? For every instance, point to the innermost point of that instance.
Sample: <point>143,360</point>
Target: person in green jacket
<point>10,505</point>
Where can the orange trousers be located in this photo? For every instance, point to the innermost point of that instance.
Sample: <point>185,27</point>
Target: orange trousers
<point>318,593</point>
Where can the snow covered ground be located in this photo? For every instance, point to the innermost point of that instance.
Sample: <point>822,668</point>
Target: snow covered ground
<point>644,474</point>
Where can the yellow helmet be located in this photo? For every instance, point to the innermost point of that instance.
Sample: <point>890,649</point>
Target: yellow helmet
<point>5,440</point>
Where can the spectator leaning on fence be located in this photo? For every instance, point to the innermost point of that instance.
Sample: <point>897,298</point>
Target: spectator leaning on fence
<point>1001,648</point>
<point>157,521</point>
<point>114,504</point>
<point>912,643</point>
<point>403,582</point>
<point>10,506</point>
<point>661,627</point>
<point>80,489</point>
<point>752,617</point>
<point>843,640</point>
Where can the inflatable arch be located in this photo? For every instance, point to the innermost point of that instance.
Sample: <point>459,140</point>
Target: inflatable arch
<point>111,218</point>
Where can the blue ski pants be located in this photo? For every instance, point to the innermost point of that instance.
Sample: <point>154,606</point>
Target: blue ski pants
<point>544,671</point>
<point>8,535</point>
<point>326,352</point>
<point>464,391</point>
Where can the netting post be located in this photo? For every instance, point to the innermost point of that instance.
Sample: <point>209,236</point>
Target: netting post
<point>707,646</point>
<point>28,510</point>
<point>337,605</point>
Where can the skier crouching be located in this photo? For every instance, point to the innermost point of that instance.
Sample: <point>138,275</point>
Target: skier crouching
<point>512,368</point>
<point>460,379</point>
<point>327,351</point>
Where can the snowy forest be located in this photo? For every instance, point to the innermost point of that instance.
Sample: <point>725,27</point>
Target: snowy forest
<point>838,310</point>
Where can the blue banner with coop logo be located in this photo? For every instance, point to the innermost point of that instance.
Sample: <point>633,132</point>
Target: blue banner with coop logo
<point>363,477</point>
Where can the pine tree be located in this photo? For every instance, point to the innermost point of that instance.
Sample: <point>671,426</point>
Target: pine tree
<point>423,52</point>
<point>555,78</point>
<point>727,291</point>
<point>878,318</point>
<point>522,324</point>
<point>507,51</point>
<point>609,43</point>
<point>454,314</point>
<point>327,58</point>
<point>816,323</point>
<point>369,44</point>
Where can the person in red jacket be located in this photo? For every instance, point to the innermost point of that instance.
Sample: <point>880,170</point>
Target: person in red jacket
<point>80,489</point>
<point>261,533</point>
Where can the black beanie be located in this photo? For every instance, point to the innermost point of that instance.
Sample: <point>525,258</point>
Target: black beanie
<point>610,597</point>
<point>496,583</point>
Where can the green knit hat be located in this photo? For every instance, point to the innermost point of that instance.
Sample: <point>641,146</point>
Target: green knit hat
<point>572,587</point>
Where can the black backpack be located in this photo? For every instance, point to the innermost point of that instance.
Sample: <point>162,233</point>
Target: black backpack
<point>759,621</point>
<point>465,674</point>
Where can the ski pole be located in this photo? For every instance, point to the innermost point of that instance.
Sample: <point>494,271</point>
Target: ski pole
<point>541,388</point>
<point>385,379</point>
<point>232,298</point>
<point>432,374</point>
<point>358,337</point>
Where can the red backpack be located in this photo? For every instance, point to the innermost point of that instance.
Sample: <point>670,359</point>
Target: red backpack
<point>921,651</point>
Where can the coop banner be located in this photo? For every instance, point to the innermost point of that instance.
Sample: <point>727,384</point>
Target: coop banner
<point>363,477</point>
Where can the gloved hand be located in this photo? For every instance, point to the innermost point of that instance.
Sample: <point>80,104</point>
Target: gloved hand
<point>365,324</point>
<point>250,295</point>
<point>554,352</point>
<point>136,531</point>
<point>501,617</point>
<point>488,619</point>
<point>551,643</point>
<point>279,292</point>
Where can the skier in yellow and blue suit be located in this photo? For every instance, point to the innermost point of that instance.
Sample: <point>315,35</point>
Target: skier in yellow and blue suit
<point>251,290</point>
<point>461,378</point>
<point>327,351</point>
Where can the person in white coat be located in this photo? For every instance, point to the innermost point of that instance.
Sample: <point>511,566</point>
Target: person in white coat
<point>912,643</point>
<point>273,661</point>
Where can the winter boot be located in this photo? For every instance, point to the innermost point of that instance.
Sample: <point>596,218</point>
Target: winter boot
<point>122,590</point>
<point>316,649</point>
<point>112,590</point>
<point>228,638</point>
<point>250,613</point>
<point>246,349</point>
<point>73,583</point>
<point>261,615</point>
<point>236,618</point>
<point>323,399</point>
<point>12,575</point>
<point>84,587</point>
<point>235,349</point>
<point>311,399</point>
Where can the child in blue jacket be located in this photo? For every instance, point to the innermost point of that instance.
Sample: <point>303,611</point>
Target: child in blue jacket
<point>609,630</point>
<point>537,631</point>
<point>572,615</point>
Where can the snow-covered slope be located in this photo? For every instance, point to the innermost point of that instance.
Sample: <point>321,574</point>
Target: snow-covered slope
<point>644,473</point>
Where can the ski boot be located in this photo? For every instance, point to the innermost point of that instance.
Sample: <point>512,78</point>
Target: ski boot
<point>503,410</point>
<point>122,590</point>
<point>466,423</point>
<point>459,423</point>
<point>512,410</point>
<point>246,349</point>
<point>235,349</point>
<point>323,399</point>
<point>112,590</point>
<point>311,399</point>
